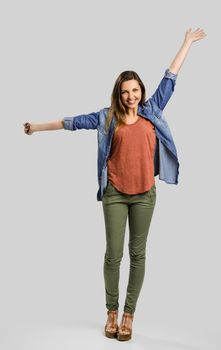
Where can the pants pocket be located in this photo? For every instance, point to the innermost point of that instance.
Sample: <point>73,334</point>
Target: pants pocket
<point>109,189</point>
<point>152,193</point>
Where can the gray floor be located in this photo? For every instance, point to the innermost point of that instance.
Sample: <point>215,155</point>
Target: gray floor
<point>88,336</point>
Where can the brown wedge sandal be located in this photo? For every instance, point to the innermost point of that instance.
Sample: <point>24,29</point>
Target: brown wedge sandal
<point>122,328</point>
<point>111,329</point>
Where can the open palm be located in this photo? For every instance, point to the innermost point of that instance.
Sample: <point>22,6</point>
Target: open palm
<point>198,34</point>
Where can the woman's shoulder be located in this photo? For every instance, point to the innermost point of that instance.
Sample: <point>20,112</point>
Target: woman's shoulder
<point>150,107</point>
<point>104,112</point>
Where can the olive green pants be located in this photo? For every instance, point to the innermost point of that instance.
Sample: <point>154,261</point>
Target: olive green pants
<point>117,206</point>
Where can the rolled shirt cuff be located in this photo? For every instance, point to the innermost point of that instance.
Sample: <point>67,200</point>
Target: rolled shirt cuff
<point>68,123</point>
<point>170,75</point>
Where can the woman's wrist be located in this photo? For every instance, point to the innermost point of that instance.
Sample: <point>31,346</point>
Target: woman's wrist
<point>187,41</point>
<point>34,127</point>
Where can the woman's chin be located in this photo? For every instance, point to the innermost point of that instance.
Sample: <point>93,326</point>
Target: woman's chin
<point>132,106</point>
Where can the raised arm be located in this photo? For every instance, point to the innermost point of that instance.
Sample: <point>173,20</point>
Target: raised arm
<point>166,87</point>
<point>190,37</point>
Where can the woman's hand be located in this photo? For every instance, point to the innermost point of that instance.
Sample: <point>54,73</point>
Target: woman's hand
<point>190,37</point>
<point>198,34</point>
<point>28,128</point>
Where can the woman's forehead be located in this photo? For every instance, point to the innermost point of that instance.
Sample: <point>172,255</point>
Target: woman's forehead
<point>130,83</point>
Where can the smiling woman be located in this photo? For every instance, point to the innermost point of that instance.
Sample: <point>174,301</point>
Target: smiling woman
<point>131,95</point>
<point>134,145</point>
<point>128,93</point>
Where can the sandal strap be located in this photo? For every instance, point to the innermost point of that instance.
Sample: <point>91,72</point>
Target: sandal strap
<point>125,328</point>
<point>128,315</point>
<point>112,312</point>
<point>112,324</point>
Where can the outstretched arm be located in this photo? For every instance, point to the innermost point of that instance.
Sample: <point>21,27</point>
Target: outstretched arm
<point>30,128</point>
<point>83,121</point>
<point>190,37</point>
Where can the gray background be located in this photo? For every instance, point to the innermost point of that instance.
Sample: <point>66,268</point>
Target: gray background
<point>61,58</point>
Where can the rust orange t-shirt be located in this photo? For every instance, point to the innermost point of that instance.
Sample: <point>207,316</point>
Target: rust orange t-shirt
<point>130,164</point>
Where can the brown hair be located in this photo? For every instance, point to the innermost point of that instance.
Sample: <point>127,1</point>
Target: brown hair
<point>117,106</point>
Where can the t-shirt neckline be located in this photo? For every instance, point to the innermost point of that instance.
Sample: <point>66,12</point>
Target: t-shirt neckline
<point>134,122</point>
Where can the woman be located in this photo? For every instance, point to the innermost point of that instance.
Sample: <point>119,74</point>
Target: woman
<point>134,145</point>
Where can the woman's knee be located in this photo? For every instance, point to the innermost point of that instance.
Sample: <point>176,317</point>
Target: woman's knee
<point>137,257</point>
<point>113,259</point>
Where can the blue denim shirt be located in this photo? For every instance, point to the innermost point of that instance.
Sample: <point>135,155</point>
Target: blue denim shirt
<point>166,162</point>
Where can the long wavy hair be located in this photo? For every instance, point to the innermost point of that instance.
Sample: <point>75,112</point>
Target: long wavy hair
<point>117,108</point>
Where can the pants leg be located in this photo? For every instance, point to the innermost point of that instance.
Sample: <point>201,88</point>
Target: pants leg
<point>116,207</point>
<point>140,215</point>
<point>115,215</point>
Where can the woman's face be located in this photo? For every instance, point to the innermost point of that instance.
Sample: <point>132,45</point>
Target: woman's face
<point>131,93</point>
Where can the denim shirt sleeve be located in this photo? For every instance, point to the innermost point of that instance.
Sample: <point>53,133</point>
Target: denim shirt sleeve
<point>165,89</point>
<point>84,121</point>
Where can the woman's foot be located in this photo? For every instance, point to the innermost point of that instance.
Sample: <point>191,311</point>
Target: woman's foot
<point>125,328</point>
<point>111,327</point>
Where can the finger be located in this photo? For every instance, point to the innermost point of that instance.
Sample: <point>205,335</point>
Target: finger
<point>199,30</point>
<point>201,34</point>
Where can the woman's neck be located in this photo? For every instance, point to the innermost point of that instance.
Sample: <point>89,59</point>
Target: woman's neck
<point>131,113</point>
